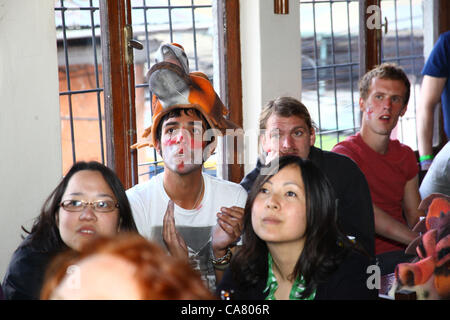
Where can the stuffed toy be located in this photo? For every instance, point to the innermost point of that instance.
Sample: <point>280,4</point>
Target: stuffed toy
<point>173,86</point>
<point>429,274</point>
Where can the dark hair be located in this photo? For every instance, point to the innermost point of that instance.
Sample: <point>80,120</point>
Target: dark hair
<point>44,235</point>
<point>175,113</point>
<point>325,246</point>
<point>384,71</point>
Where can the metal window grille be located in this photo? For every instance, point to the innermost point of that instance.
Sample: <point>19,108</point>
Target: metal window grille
<point>330,67</point>
<point>80,79</point>
<point>186,22</point>
<point>330,62</point>
<point>403,45</point>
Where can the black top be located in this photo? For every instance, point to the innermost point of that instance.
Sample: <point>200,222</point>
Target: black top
<point>348,282</point>
<point>355,210</point>
<point>25,274</point>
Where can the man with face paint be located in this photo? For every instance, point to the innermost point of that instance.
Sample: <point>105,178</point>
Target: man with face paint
<point>390,167</point>
<point>194,215</point>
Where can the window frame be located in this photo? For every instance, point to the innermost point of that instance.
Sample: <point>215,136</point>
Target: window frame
<point>119,85</point>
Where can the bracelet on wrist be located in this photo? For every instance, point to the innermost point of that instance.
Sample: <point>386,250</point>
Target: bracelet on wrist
<point>426,157</point>
<point>221,261</point>
<point>425,164</point>
<point>221,267</point>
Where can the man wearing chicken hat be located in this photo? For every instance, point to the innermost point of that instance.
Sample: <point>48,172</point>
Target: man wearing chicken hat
<point>193,214</point>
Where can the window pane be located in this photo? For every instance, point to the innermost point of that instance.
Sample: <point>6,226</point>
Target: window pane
<point>330,67</point>
<point>80,77</point>
<point>186,22</point>
<point>403,45</point>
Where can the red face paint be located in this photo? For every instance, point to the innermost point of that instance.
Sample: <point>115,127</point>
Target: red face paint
<point>369,112</point>
<point>181,166</point>
<point>170,142</point>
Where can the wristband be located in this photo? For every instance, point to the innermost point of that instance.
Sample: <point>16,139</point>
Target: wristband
<point>425,164</point>
<point>222,261</point>
<point>425,157</point>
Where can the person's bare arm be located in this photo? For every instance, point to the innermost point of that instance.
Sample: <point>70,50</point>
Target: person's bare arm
<point>430,95</point>
<point>411,202</point>
<point>390,228</point>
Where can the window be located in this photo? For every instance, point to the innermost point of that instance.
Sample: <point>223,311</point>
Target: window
<point>80,80</point>
<point>99,89</point>
<point>403,45</point>
<point>331,68</point>
<point>189,23</point>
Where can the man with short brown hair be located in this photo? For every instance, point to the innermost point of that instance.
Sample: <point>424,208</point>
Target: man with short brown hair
<point>390,167</point>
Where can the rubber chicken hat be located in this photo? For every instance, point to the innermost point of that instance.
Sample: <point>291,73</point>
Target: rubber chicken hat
<point>174,87</point>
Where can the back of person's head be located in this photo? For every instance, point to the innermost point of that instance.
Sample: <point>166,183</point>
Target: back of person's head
<point>124,267</point>
<point>284,107</point>
<point>45,233</point>
<point>321,253</point>
<point>388,71</point>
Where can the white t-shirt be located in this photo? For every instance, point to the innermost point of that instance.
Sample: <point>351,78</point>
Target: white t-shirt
<point>149,202</point>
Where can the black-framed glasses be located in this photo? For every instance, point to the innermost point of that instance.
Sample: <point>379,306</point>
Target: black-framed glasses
<point>97,206</point>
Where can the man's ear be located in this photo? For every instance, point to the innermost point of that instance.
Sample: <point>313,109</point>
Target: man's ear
<point>157,146</point>
<point>362,104</point>
<point>402,113</point>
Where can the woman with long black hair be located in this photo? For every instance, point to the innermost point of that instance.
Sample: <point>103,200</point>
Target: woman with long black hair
<point>90,201</point>
<point>292,247</point>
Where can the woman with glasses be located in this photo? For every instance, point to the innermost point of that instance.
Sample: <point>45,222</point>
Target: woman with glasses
<point>292,248</point>
<point>90,201</point>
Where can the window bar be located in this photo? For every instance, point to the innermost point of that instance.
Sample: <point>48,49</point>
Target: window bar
<point>147,41</point>
<point>169,7</point>
<point>97,82</point>
<point>194,33</point>
<point>397,46</point>
<point>334,72</point>
<point>413,61</point>
<point>337,65</point>
<point>127,20</point>
<point>66,61</point>
<point>317,73</point>
<point>72,92</point>
<point>350,59</point>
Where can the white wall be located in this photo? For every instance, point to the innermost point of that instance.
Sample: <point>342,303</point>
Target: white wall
<point>271,65</point>
<point>30,146</point>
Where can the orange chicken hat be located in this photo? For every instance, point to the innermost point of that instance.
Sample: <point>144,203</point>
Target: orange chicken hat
<point>174,87</point>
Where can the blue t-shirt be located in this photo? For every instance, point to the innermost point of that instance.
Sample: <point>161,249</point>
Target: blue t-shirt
<point>438,66</point>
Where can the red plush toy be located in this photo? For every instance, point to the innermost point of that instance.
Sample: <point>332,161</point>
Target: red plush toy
<point>429,274</point>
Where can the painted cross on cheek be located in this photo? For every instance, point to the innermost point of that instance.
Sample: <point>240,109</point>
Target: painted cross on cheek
<point>369,112</point>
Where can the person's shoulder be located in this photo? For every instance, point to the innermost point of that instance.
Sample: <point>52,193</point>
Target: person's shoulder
<point>249,179</point>
<point>221,183</point>
<point>340,158</point>
<point>145,186</point>
<point>25,258</point>
<point>348,147</point>
<point>401,147</point>
<point>354,264</point>
<point>445,37</point>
